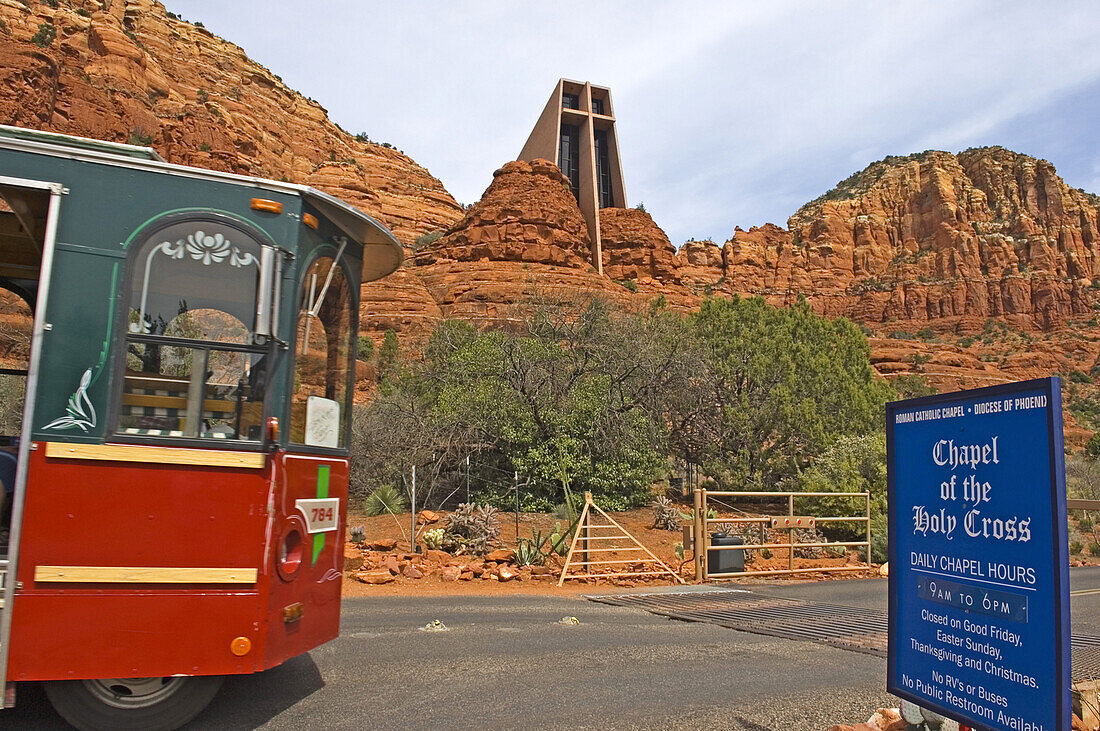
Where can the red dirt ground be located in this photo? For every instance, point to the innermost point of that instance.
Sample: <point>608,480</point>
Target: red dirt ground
<point>637,522</point>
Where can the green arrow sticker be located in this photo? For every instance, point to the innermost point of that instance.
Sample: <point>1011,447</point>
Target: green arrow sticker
<point>322,492</point>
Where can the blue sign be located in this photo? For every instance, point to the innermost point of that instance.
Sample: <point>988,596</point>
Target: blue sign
<point>979,577</point>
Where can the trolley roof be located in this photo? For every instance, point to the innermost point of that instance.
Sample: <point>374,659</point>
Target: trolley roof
<point>382,252</point>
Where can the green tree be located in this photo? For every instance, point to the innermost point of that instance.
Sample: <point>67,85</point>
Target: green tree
<point>388,354</point>
<point>779,387</point>
<point>365,348</point>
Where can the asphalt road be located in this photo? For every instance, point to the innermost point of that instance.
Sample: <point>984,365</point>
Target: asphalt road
<point>506,663</point>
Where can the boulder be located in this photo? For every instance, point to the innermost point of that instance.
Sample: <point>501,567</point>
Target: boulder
<point>504,572</point>
<point>450,573</point>
<point>427,517</point>
<point>411,571</point>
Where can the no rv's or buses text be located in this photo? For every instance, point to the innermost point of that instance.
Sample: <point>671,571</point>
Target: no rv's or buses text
<point>972,519</point>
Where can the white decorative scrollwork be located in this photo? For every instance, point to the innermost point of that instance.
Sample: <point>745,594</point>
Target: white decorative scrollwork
<point>201,247</point>
<point>79,412</point>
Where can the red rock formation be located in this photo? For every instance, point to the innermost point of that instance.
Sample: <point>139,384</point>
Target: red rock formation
<point>499,293</point>
<point>635,248</point>
<point>935,239</point>
<point>132,73</point>
<point>929,242</point>
<point>528,214</point>
<point>702,264</point>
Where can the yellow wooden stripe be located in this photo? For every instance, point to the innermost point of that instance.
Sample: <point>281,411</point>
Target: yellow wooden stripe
<point>143,575</point>
<point>156,455</point>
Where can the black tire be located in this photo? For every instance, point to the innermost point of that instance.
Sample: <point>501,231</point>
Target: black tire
<point>160,704</point>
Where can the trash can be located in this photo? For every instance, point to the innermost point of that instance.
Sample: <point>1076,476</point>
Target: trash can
<point>725,562</point>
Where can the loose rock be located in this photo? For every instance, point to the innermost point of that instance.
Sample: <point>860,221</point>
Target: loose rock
<point>378,576</point>
<point>382,544</point>
<point>500,555</point>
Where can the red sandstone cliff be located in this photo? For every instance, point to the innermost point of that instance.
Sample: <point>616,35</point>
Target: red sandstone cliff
<point>934,239</point>
<point>134,74</point>
<point>935,242</point>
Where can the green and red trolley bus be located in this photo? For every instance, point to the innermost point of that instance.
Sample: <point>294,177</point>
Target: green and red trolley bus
<point>188,355</point>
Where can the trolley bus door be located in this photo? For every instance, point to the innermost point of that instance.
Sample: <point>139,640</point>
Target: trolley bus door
<point>28,231</point>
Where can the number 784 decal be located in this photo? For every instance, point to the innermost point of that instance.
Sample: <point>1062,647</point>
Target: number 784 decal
<point>321,514</point>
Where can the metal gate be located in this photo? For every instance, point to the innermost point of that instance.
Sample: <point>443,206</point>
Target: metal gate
<point>790,521</point>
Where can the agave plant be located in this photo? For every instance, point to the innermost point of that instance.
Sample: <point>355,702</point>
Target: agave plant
<point>384,499</point>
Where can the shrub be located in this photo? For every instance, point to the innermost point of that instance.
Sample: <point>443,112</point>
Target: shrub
<point>139,137</point>
<point>202,96</point>
<point>365,348</point>
<point>926,333</point>
<point>1077,376</point>
<point>1085,525</point>
<point>426,239</point>
<point>628,284</point>
<point>1075,548</point>
<point>901,335</point>
<point>45,35</point>
<point>880,541</point>
<point>640,206</point>
<point>665,515</point>
<point>912,385</point>
<point>384,499</point>
<point>1094,548</point>
<point>204,147</point>
<point>362,137</point>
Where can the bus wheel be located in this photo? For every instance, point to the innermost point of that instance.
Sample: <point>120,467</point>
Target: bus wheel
<point>132,703</point>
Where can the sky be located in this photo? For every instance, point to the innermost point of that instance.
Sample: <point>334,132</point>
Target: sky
<point>728,113</point>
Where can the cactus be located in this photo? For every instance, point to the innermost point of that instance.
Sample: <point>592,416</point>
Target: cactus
<point>433,539</point>
<point>472,529</point>
<point>358,534</point>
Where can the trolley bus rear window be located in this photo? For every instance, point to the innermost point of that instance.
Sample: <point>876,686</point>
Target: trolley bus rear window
<point>197,392</point>
<point>321,399</point>
<point>198,340</point>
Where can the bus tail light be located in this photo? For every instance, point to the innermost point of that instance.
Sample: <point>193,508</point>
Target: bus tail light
<point>291,553</point>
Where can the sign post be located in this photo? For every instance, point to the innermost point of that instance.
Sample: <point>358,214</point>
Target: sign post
<point>979,581</point>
